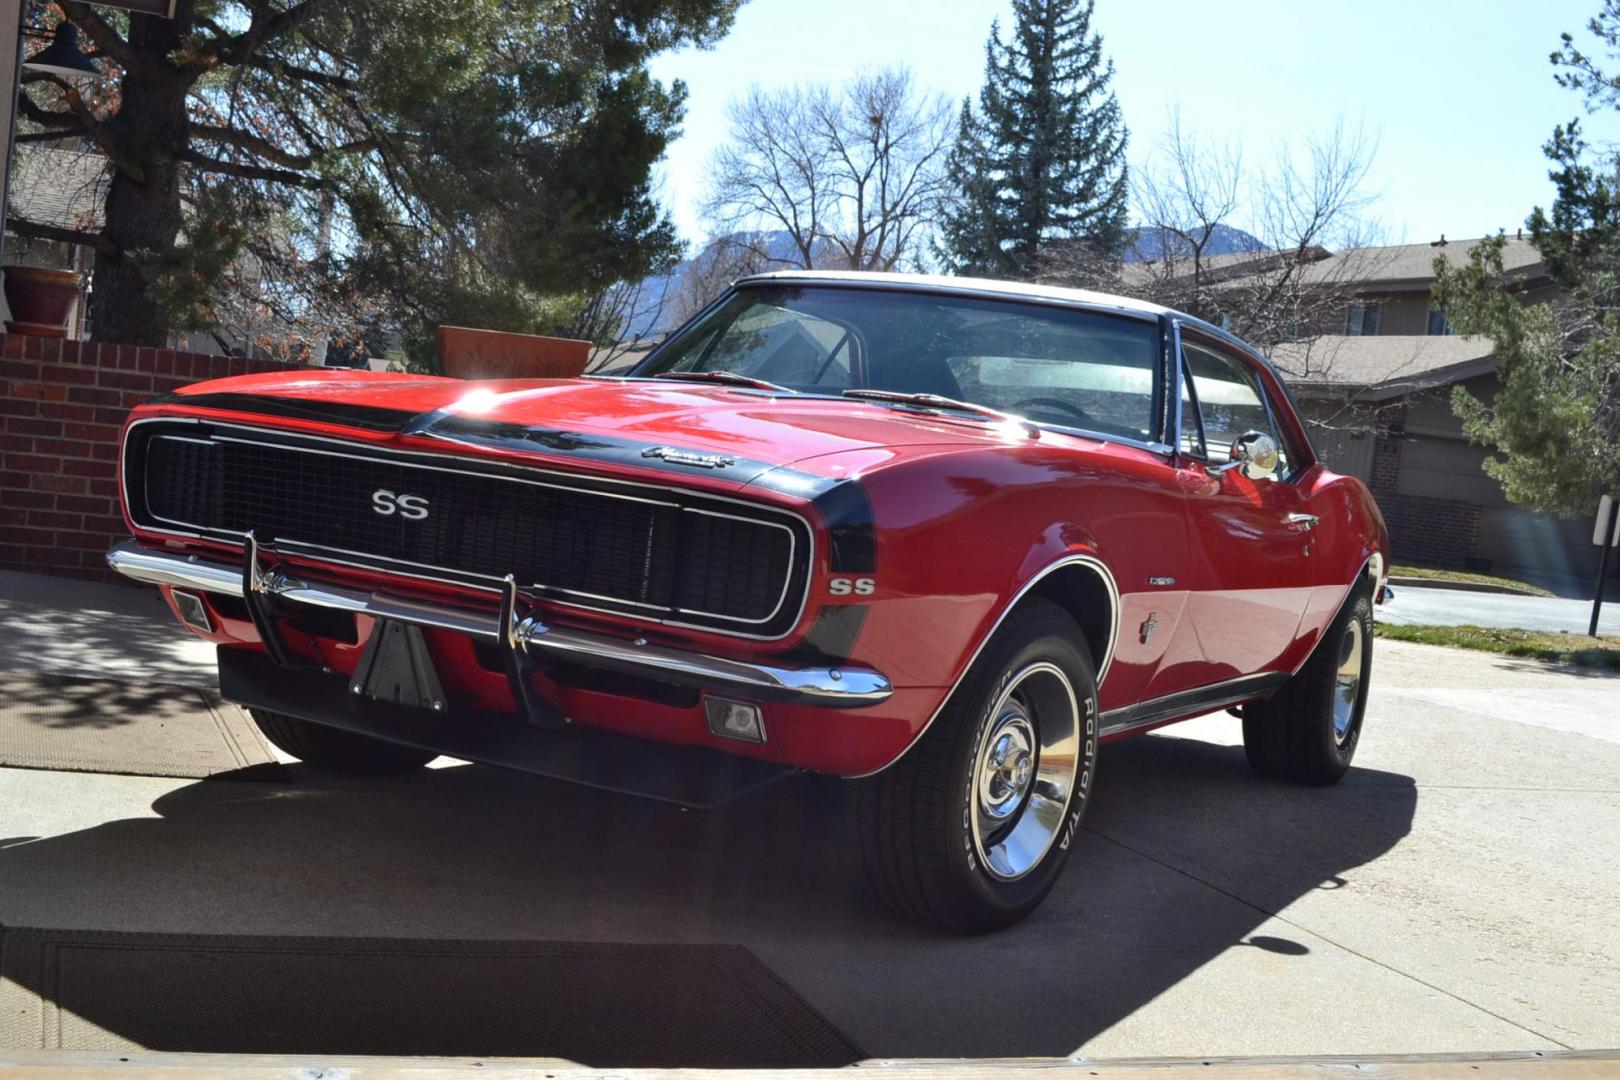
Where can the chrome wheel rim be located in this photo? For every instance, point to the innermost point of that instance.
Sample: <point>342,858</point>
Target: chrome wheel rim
<point>1347,682</point>
<point>1024,771</point>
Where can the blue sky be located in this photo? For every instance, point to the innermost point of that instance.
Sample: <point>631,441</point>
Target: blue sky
<point>1458,94</point>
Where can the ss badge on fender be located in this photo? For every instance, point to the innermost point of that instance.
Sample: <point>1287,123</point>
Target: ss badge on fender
<point>843,586</point>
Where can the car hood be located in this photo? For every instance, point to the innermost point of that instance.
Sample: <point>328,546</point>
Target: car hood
<point>758,431</point>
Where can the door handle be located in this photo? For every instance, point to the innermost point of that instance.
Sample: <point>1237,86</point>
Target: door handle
<point>1302,522</point>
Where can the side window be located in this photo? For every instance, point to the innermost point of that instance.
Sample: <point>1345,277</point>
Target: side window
<point>1230,402</point>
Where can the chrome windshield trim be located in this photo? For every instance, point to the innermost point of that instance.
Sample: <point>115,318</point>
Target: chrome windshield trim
<point>832,687</point>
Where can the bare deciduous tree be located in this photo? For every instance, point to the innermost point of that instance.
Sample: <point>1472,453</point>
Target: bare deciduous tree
<point>852,176</point>
<point>1275,253</point>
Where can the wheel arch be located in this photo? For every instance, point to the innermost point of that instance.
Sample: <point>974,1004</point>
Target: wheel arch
<point>1077,582</point>
<point>1083,587</point>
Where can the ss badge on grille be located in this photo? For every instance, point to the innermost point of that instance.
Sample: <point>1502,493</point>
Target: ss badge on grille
<point>386,503</point>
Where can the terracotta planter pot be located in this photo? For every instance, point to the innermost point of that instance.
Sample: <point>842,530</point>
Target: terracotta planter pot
<point>41,300</point>
<point>466,353</point>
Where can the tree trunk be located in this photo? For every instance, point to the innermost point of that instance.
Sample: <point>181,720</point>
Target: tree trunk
<point>145,140</point>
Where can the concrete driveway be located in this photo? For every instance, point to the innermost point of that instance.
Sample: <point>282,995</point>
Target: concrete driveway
<point>1422,606</point>
<point>1454,894</point>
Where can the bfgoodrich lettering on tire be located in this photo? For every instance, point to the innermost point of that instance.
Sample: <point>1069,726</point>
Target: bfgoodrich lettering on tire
<point>972,827</point>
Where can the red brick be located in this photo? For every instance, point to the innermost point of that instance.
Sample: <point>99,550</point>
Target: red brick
<point>70,485</point>
<point>85,504</point>
<point>77,467</point>
<point>65,410</point>
<point>55,519</point>
<point>55,556</point>
<point>77,376</point>
<point>31,348</point>
<point>104,451</point>
<point>14,346</point>
<point>125,380</point>
<point>105,523</point>
<point>11,554</point>
<point>106,488</point>
<point>92,432</point>
<point>14,407</point>
<point>50,350</point>
<point>90,395</point>
<point>39,391</point>
<point>109,416</point>
<point>164,364</point>
<point>21,444</point>
<point>83,541</point>
<point>67,448</point>
<point>31,500</point>
<point>30,425</point>
<point>70,352</point>
<point>22,534</point>
<point>33,463</point>
<point>18,369</point>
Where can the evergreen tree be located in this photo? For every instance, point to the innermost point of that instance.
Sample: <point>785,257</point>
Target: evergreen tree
<point>1042,157</point>
<point>484,162</point>
<point>1555,421</point>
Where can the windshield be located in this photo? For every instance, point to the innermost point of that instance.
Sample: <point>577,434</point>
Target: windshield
<point>1053,365</point>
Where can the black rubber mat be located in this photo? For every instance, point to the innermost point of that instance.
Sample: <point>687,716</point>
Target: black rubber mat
<point>142,729</point>
<point>602,1005</point>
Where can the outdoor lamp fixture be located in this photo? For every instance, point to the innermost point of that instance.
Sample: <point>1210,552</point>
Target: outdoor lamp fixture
<point>62,56</point>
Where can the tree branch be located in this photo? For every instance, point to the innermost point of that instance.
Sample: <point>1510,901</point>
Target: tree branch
<point>49,136</point>
<point>101,32</point>
<point>250,172</point>
<point>37,230</point>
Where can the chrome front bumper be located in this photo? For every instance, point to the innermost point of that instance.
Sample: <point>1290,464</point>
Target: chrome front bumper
<point>829,687</point>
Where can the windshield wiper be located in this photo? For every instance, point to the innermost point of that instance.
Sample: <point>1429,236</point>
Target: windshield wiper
<point>730,378</point>
<point>939,401</point>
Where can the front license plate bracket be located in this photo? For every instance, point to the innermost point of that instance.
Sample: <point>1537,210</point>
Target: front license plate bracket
<point>396,667</point>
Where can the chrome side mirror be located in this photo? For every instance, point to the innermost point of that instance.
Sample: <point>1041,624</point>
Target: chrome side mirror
<point>1255,453</point>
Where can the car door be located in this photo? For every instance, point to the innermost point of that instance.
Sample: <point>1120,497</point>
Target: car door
<point>1250,568</point>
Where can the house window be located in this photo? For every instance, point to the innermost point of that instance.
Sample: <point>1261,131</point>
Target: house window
<point>1438,325</point>
<point>1362,318</point>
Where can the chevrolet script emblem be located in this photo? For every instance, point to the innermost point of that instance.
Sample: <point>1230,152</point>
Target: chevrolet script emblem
<point>687,457</point>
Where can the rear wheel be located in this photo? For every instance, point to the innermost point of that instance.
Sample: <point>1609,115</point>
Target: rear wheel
<point>971,828</point>
<point>337,750</point>
<point>1308,730</point>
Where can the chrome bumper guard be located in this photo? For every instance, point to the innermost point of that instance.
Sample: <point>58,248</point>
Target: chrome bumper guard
<point>841,687</point>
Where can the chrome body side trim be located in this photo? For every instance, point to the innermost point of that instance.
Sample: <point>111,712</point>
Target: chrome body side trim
<point>1091,562</point>
<point>1189,703</point>
<point>831,687</point>
<point>372,562</point>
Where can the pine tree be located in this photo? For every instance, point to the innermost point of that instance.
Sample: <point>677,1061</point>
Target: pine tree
<point>1042,157</point>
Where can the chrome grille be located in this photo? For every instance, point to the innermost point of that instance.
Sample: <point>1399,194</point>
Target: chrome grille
<point>667,554</point>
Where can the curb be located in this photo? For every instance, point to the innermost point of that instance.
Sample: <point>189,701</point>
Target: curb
<point>1462,586</point>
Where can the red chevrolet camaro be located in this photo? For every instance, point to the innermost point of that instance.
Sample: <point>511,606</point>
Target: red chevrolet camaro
<point>941,537</point>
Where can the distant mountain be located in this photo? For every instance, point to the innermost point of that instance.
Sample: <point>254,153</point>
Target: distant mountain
<point>655,310</point>
<point>1148,244</point>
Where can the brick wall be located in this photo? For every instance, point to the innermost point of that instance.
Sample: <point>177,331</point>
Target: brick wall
<point>62,407</point>
<point>1439,532</point>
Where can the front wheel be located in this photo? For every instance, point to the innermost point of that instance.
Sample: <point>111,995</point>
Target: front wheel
<point>972,827</point>
<point>1308,731</point>
<point>336,750</point>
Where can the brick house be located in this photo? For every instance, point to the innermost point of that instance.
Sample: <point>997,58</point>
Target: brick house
<point>1378,392</point>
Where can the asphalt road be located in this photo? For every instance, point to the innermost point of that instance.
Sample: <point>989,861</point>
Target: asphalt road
<point>1420,606</point>
<point>1453,894</point>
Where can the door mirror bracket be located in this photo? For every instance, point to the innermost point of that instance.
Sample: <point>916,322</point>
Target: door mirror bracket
<point>1255,453</point>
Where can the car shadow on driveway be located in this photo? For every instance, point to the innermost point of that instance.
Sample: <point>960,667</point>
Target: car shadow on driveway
<point>1185,853</point>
